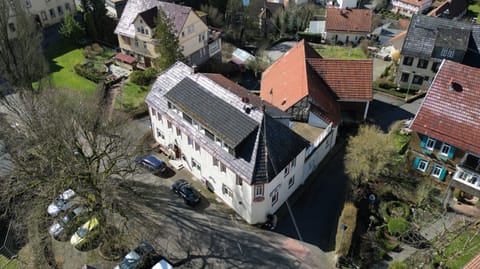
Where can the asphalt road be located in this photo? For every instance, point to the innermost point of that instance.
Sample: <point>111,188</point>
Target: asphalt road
<point>316,211</point>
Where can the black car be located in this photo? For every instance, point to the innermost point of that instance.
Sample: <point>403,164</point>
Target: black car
<point>186,191</point>
<point>151,163</point>
<point>143,256</point>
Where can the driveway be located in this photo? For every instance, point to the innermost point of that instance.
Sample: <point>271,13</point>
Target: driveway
<point>385,110</point>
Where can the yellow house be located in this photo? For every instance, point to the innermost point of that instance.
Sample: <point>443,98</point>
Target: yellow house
<point>137,25</point>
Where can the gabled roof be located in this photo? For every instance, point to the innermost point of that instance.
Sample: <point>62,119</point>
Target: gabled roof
<point>177,15</point>
<point>417,3</point>
<point>473,263</point>
<point>348,20</point>
<point>149,16</point>
<point>349,79</point>
<point>449,9</point>
<point>452,114</point>
<point>258,136</point>
<point>244,94</point>
<point>302,72</point>
<point>425,31</point>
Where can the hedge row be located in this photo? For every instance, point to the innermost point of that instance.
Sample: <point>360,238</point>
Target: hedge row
<point>346,226</point>
<point>88,73</point>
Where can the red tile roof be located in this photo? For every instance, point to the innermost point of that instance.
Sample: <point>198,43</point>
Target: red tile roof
<point>452,114</point>
<point>417,3</point>
<point>348,20</point>
<point>473,263</point>
<point>125,58</point>
<point>290,79</point>
<point>235,88</point>
<point>349,79</point>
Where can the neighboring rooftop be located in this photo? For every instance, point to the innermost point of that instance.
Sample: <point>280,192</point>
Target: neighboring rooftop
<point>177,15</point>
<point>425,33</point>
<point>451,109</point>
<point>348,20</point>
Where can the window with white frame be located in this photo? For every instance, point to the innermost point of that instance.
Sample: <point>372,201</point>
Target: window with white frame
<point>179,132</point>
<point>437,171</point>
<point>159,117</point>
<point>160,134</point>
<point>136,43</point>
<point>190,141</point>
<point>169,124</point>
<point>197,147</point>
<point>422,165</point>
<point>238,180</point>
<point>43,14</point>
<point>60,10</point>
<point>52,13</point>
<point>215,161</point>
<point>430,144</point>
<point>259,190</point>
<point>293,163</point>
<point>445,149</point>
<point>144,44</point>
<point>274,198</point>
<point>227,191</point>
<point>291,181</point>
<point>190,29</point>
<point>286,171</point>
<point>223,168</point>
<point>196,165</point>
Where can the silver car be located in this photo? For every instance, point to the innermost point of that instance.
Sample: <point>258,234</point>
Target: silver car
<point>58,227</point>
<point>61,203</point>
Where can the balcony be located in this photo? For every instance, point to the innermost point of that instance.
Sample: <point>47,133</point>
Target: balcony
<point>468,174</point>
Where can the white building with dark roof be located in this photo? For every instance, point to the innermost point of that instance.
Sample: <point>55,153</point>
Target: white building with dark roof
<point>238,146</point>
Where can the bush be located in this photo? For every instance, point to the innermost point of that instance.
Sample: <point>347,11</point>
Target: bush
<point>348,221</point>
<point>91,51</point>
<point>397,265</point>
<point>88,73</point>
<point>394,209</point>
<point>397,226</point>
<point>143,78</point>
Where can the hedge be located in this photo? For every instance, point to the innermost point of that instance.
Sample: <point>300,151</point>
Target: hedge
<point>88,73</point>
<point>348,220</point>
<point>386,209</point>
<point>397,226</point>
<point>143,78</point>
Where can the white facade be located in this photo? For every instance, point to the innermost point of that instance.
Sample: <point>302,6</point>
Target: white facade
<point>410,8</point>
<point>343,3</point>
<point>209,159</point>
<point>343,37</point>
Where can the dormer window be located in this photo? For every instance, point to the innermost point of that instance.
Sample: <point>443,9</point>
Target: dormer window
<point>141,21</point>
<point>430,144</point>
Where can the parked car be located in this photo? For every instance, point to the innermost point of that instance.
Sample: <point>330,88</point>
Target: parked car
<point>143,256</point>
<point>186,191</point>
<point>151,163</point>
<point>85,233</point>
<point>59,226</point>
<point>61,203</point>
<point>163,264</point>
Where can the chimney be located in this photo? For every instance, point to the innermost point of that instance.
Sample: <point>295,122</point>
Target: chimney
<point>194,69</point>
<point>450,84</point>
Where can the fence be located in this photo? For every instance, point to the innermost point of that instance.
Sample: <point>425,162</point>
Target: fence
<point>8,257</point>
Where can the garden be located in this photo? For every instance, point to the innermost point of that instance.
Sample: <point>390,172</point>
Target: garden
<point>387,85</point>
<point>341,52</point>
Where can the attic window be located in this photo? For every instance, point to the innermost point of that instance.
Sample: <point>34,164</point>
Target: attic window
<point>141,21</point>
<point>454,86</point>
<point>284,101</point>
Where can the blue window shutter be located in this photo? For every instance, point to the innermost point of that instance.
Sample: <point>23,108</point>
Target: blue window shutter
<point>451,152</point>
<point>416,162</point>
<point>443,174</point>
<point>424,141</point>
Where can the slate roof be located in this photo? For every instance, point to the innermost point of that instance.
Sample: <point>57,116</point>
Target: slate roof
<point>149,16</point>
<point>243,93</point>
<point>225,121</point>
<point>425,30</point>
<point>348,20</point>
<point>450,115</point>
<point>259,137</point>
<point>177,14</point>
<point>349,79</point>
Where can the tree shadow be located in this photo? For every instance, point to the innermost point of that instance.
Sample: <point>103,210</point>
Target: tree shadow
<point>57,49</point>
<point>384,114</point>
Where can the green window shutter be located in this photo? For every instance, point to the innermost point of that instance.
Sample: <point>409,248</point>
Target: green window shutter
<point>424,141</point>
<point>416,162</point>
<point>451,152</point>
<point>443,174</point>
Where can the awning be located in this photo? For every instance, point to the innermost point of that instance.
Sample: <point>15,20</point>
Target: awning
<point>125,58</point>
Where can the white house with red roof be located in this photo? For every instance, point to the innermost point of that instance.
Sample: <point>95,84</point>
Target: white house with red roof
<point>347,25</point>
<point>446,141</point>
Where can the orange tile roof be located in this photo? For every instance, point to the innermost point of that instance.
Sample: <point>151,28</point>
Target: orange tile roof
<point>473,263</point>
<point>349,79</point>
<point>416,3</point>
<point>452,114</point>
<point>284,83</point>
<point>404,23</point>
<point>348,20</point>
<point>290,79</point>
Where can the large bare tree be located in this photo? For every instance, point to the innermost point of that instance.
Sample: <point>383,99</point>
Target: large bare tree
<point>21,55</point>
<point>59,139</point>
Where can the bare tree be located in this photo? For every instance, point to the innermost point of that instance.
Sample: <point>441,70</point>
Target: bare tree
<point>59,139</point>
<point>21,55</point>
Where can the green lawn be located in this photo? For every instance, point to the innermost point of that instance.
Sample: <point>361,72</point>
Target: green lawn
<point>6,264</point>
<point>132,96</point>
<point>62,56</point>
<point>474,10</point>
<point>341,52</point>
<point>462,249</point>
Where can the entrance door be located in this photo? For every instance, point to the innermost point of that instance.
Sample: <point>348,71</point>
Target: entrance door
<point>148,62</point>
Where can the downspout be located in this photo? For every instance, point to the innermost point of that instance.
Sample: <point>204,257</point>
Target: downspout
<point>366,110</point>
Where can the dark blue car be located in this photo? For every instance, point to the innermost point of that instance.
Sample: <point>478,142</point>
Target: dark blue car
<point>152,163</point>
